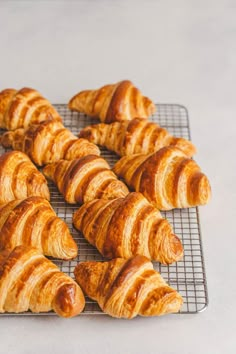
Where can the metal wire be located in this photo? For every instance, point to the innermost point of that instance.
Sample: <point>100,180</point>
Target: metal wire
<point>187,276</point>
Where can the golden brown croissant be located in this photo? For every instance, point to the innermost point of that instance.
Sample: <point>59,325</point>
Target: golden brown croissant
<point>29,281</point>
<point>48,142</point>
<point>127,288</point>
<point>19,178</point>
<point>110,103</point>
<point>167,178</point>
<point>85,179</point>
<point>128,226</point>
<point>19,109</point>
<point>33,222</point>
<point>137,136</point>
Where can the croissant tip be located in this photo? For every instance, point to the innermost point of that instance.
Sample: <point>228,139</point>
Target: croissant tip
<point>87,275</point>
<point>170,302</point>
<point>71,249</point>
<point>6,139</point>
<point>69,301</point>
<point>171,250</point>
<point>48,170</point>
<point>173,303</point>
<point>191,151</point>
<point>86,133</point>
<point>201,189</point>
<point>153,108</point>
<point>176,249</point>
<point>205,189</point>
<point>70,105</point>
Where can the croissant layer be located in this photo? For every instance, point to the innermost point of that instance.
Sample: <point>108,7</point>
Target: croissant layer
<point>29,281</point>
<point>127,288</point>
<point>110,103</point>
<point>167,178</point>
<point>19,109</point>
<point>33,222</point>
<point>48,142</point>
<point>19,178</point>
<point>85,179</point>
<point>137,136</point>
<point>128,226</point>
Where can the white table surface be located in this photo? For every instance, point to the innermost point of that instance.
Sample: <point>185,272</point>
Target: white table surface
<point>184,54</point>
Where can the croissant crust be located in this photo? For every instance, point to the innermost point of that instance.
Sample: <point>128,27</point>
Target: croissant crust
<point>137,136</point>
<point>29,281</point>
<point>48,142</point>
<point>19,109</point>
<point>127,288</point>
<point>128,226</point>
<point>19,178</point>
<point>110,103</point>
<point>167,178</point>
<point>85,179</point>
<point>33,222</point>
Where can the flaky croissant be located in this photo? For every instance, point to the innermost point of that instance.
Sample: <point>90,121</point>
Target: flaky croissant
<point>19,109</point>
<point>137,136</point>
<point>48,142</point>
<point>85,179</point>
<point>29,281</point>
<point>127,288</point>
<point>167,178</point>
<point>19,178</point>
<point>110,103</point>
<point>33,222</point>
<point>128,226</point>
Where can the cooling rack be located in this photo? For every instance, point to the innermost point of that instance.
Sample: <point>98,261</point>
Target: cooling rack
<point>187,276</point>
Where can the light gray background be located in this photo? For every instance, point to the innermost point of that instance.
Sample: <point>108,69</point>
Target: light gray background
<point>184,54</point>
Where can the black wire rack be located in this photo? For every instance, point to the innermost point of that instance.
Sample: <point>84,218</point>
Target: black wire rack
<point>188,275</point>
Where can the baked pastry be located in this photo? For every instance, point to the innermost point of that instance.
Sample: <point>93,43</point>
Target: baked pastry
<point>19,178</point>
<point>110,103</point>
<point>29,281</point>
<point>137,136</point>
<point>127,288</point>
<point>125,227</point>
<point>167,178</point>
<point>19,109</point>
<point>85,179</point>
<point>48,142</point>
<point>33,222</point>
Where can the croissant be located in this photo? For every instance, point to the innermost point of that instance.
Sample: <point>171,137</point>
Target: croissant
<point>128,226</point>
<point>110,103</point>
<point>19,109</point>
<point>33,222</point>
<point>19,178</point>
<point>85,179</point>
<point>167,178</point>
<point>29,281</point>
<point>127,288</point>
<point>137,136</point>
<point>48,142</point>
